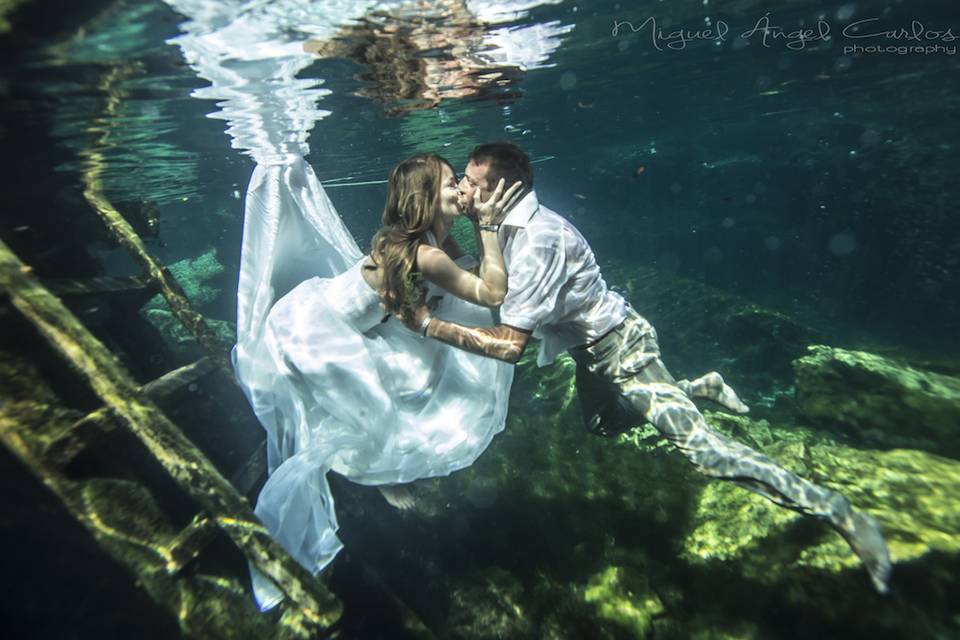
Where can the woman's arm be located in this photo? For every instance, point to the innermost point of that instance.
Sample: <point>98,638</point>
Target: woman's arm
<point>490,287</point>
<point>502,342</point>
<point>452,247</point>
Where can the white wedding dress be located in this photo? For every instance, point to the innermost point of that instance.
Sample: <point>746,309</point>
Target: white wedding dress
<point>335,384</point>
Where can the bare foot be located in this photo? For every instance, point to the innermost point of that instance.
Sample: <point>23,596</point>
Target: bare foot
<point>712,387</point>
<point>863,535</point>
<point>398,496</point>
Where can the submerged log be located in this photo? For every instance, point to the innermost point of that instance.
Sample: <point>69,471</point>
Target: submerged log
<point>156,272</point>
<point>316,608</point>
<point>178,378</point>
<point>190,542</point>
<point>125,520</point>
<point>250,472</point>
<point>95,286</point>
<point>92,427</point>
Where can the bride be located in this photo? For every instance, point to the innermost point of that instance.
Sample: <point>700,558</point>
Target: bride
<point>338,382</point>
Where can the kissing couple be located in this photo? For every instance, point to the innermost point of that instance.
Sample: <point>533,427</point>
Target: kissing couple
<point>396,364</point>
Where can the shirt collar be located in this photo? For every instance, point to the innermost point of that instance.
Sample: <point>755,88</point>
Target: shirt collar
<point>521,213</point>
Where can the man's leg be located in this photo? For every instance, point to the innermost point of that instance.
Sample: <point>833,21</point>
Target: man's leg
<point>652,394</point>
<point>713,387</point>
<point>628,361</point>
<point>605,413</point>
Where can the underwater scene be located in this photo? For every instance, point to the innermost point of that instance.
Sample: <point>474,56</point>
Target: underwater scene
<point>279,359</point>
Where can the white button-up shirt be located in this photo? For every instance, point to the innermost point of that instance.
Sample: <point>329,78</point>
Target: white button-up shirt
<point>554,286</point>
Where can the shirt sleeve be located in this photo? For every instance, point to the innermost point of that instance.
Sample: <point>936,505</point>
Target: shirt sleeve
<point>535,276</point>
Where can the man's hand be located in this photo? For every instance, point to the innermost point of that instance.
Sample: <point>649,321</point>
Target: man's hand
<point>493,211</point>
<point>468,210</point>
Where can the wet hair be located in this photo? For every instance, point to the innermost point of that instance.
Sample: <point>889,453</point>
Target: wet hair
<point>507,161</point>
<point>413,202</point>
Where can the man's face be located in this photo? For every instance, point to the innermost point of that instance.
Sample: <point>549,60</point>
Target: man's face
<point>475,177</point>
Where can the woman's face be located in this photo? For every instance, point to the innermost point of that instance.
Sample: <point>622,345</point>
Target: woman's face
<point>450,205</point>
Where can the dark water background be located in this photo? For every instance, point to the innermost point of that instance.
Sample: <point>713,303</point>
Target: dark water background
<point>812,182</point>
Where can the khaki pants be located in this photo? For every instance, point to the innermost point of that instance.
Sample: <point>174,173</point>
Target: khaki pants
<point>622,382</point>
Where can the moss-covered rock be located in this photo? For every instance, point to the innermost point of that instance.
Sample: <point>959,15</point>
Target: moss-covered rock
<point>179,339</point>
<point>636,503</point>
<point>624,598</point>
<point>913,494</point>
<point>880,400</point>
<point>194,275</point>
<point>8,7</point>
<point>702,328</point>
<point>553,529</point>
<point>489,604</point>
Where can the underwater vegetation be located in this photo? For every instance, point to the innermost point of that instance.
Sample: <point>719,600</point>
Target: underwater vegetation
<point>194,275</point>
<point>553,533</point>
<point>881,402</point>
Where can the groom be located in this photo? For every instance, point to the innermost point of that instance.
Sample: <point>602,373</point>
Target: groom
<point>556,292</point>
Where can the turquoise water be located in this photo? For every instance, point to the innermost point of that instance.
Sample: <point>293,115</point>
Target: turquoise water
<point>812,181</point>
<point>712,179</point>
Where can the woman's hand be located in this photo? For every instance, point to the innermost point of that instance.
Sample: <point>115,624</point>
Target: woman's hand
<point>414,321</point>
<point>491,211</point>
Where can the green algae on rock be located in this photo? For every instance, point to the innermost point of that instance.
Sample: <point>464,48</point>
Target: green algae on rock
<point>625,598</point>
<point>574,514</point>
<point>193,275</point>
<point>180,340</point>
<point>913,494</point>
<point>882,401</point>
<point>489,604</point>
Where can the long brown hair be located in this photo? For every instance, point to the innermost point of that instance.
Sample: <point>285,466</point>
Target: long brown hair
<point>413,202</point>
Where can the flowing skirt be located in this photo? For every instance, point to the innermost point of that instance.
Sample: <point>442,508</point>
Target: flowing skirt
<point>335,388</point>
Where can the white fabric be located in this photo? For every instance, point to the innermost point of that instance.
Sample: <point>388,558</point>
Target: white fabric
<point>432,409</point>
<point>555,286</point>
<point>527,47</point>
<point>497,11</point>
<point>334,387</point>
